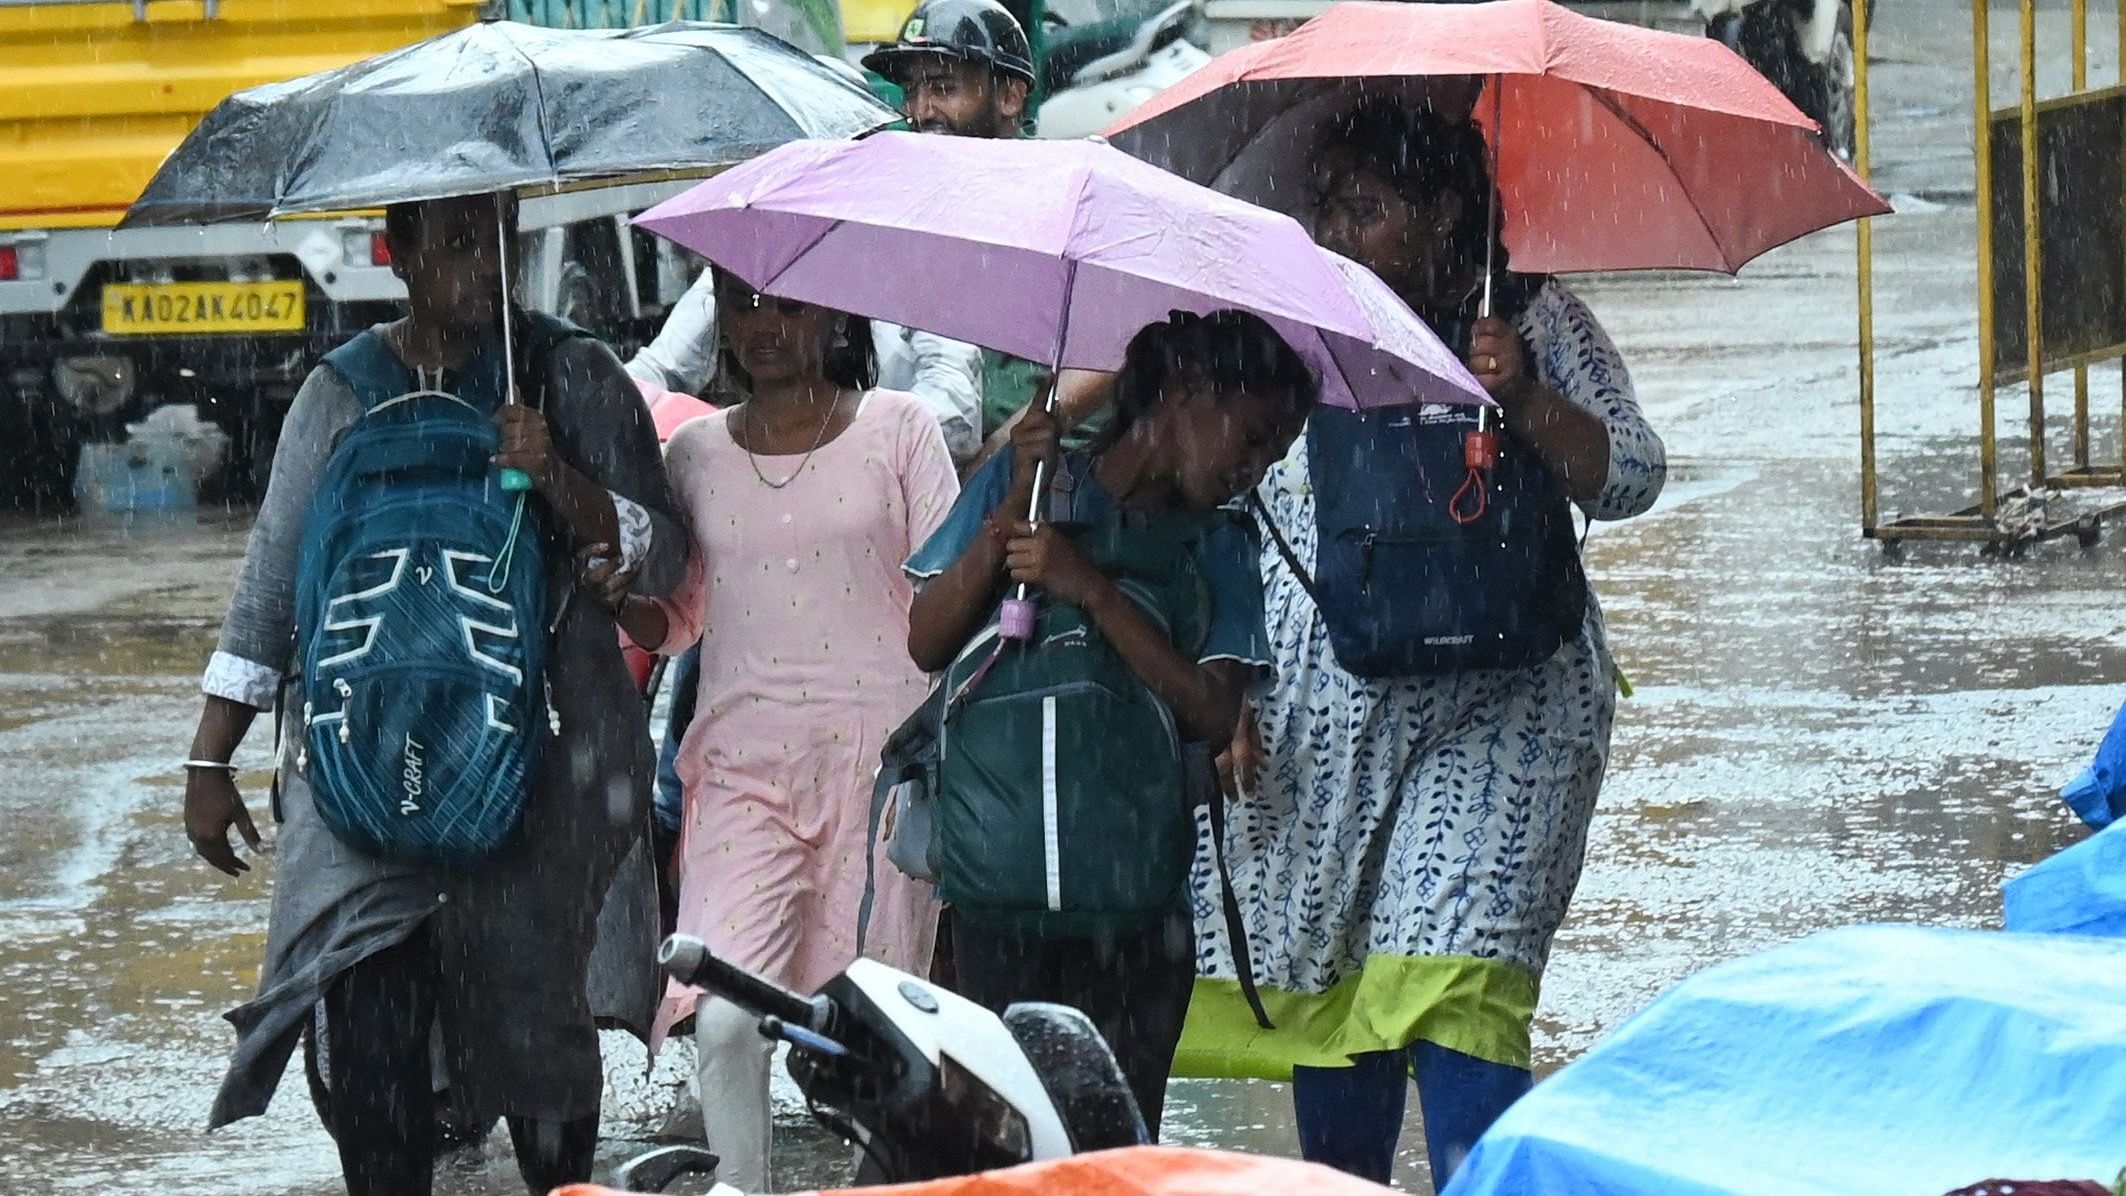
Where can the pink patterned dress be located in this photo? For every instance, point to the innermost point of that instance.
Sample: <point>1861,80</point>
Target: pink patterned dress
<point>798,597</point>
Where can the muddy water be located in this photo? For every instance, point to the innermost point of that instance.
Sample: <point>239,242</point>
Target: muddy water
<point>1821,734</point>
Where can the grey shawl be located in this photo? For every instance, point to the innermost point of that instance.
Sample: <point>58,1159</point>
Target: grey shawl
<point>513,937</point>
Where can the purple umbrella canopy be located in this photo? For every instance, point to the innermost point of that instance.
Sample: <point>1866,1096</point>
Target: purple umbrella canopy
<point>1054,251</point>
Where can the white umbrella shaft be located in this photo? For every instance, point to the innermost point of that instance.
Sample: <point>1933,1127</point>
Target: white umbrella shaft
<point>512,479</point>
<point>1491,203</point>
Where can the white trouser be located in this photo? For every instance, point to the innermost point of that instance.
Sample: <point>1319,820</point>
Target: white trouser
<point>733,1079</point>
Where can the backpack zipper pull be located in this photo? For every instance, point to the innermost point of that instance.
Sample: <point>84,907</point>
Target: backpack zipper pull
<point>346,693</point>
<point>553,715</point>
<point>1365,562</point>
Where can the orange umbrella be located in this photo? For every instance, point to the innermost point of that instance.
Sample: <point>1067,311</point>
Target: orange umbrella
<point>1138,1171</point>
<point>1617,148</point>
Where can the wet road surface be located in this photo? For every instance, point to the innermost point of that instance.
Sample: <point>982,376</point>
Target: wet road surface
<point>1821,734</point>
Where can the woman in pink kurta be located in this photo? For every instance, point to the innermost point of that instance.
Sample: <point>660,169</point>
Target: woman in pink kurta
<point>802,503</point>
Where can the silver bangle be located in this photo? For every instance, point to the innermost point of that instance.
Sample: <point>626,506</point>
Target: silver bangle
<point>222,765</point>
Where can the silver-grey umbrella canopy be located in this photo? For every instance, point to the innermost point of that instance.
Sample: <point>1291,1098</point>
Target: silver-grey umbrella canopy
<point>501,106</point>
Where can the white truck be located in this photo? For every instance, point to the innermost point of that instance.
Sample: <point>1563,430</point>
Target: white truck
<point>100,326</point>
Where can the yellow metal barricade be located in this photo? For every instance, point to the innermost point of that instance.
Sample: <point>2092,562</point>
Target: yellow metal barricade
<point>2051,208</point>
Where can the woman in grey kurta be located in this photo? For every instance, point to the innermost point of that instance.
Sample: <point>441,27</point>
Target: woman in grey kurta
<point>499,953</point>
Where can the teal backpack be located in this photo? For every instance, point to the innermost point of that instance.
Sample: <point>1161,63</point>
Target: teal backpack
<point>1063,802</point>
<point>1042,786</point>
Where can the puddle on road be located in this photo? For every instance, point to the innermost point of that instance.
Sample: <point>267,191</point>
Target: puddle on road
<point>1821,736</point>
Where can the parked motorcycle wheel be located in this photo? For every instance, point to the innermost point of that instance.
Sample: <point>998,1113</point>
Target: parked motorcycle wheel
<point>1766,37</point>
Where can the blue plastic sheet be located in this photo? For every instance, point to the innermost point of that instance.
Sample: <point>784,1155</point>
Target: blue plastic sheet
<point>2081,890</point>
<point>2098,794</point>
<point>1870,1059</point>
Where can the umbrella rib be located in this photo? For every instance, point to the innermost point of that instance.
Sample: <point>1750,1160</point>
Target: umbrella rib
<point>1070,292</point>
<point>1249,143</point>
<point>1609,103</point>
<point>546,137</point>
<point>800,255</point>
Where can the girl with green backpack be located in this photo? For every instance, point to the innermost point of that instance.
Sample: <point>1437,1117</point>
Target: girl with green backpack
<point>1062,828</point>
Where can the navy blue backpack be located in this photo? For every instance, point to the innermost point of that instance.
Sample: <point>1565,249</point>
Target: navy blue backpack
<point>1424,566</point>
<point>422,616</point>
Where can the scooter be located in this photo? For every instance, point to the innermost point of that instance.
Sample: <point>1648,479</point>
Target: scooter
<point>1805,47</point>
<point>1092,74</point>
<point>925,1082</point>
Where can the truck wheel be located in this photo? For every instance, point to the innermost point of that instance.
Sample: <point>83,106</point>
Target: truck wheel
<point>577,300</point>
<point>591,274</point>
<point>48,447</point>
<point>252,442</point>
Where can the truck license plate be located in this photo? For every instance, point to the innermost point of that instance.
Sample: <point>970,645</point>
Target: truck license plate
<point>176,308</point>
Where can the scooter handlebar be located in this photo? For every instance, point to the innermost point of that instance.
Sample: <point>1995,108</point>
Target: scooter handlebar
<point>689,961</point>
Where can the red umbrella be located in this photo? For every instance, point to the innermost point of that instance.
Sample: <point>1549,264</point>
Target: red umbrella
<point>1618,148</point>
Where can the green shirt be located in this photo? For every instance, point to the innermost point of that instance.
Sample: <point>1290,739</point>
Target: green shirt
<point>1010,383</point>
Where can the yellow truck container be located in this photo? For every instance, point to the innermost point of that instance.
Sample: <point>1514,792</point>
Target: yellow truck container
<point>93,96</point>
<point>97,326</point>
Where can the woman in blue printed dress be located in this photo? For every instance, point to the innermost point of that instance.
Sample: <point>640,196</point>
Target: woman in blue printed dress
<point>1405,849</point>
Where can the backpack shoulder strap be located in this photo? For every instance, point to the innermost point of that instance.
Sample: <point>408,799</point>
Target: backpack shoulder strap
<point>1284,546</point>
<point>369,368</point>
<point>1236,931</point>
<point>545,333</point>
<point>539,337</point>
<point>901,760</point>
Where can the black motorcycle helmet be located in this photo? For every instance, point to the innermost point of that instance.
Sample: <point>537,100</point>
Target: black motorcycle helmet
<point>981,31</point>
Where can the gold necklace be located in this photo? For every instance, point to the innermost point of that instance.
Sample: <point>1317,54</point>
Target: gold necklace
<point>833,405</point>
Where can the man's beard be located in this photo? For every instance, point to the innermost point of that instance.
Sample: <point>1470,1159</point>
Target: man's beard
<point>988,125</point>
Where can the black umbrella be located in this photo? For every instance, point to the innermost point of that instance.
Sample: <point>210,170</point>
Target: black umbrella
<point>501,106</point>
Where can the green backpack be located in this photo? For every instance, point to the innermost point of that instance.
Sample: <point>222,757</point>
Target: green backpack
<point>1063,790</point>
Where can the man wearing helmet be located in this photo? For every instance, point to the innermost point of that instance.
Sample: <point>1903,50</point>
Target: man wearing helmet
<point>964,67</point>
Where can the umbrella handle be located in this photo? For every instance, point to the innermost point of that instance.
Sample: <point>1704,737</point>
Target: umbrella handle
<point>1017,617</point>
<point>1019,614</point>
<point>512,480</point>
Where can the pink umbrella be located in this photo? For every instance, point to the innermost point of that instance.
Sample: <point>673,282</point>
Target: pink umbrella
<point>1054,251</point>
<point>1618,148</point>
<point>669,409</point>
